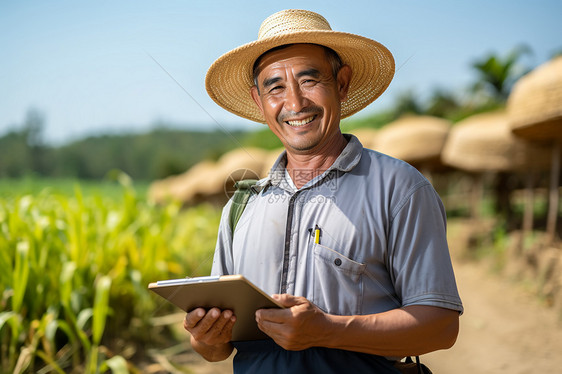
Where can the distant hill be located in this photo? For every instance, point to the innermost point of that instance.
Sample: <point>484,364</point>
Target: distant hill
<point>147,156</point>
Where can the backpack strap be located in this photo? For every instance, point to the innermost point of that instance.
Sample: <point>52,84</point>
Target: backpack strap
<point>240,200</point>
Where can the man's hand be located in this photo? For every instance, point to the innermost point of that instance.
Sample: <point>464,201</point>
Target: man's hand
<point>211,332</point>
<point>302,325</point>
<point>408,331</point>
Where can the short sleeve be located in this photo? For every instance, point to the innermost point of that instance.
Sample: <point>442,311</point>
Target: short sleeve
<point>420,263</point>
<point>223,261</point>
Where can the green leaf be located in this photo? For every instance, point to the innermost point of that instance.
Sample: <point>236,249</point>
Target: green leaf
<point>13,320</point>
<point>101,308</point>
<point>83,317</point>
<point>21,275</point>
<point>117,364</point>
<point>66,276</point>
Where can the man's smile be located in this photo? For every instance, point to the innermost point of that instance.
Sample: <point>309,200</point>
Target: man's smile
<point>302,122</point>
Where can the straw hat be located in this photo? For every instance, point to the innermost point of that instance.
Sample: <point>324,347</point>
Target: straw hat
<point>535,103</point>
<point>229,79</point>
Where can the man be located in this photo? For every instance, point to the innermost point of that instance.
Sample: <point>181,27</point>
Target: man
<point>351,241</point>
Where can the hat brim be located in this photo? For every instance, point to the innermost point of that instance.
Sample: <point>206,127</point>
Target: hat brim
<point>229,79</point>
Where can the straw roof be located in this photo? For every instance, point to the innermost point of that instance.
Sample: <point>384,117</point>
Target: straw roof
<point>238,163</point>
<point>367,136</point>
<point>414,139</point>
<point>185,186</point>
<point>209,180</point>
<point>269,160</point>
<point>484,142</point>
<point>535,103</point>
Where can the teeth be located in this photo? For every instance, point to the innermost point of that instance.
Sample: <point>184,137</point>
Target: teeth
<point>301,122</point>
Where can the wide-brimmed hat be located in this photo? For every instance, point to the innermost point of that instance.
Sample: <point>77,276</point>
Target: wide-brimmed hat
<point>229,79</point>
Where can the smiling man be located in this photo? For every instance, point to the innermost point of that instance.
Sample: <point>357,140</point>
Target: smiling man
<point>351,241</point>
<point>300,97</point>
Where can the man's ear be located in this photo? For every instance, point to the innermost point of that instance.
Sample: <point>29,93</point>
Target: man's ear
<point>344,79</point>
<point>256,96</point>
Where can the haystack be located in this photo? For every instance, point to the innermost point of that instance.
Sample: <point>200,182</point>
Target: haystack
<point>417,140</point>
<point>535,113</point>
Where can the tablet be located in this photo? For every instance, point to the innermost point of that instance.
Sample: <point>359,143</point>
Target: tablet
<point>232,292</point>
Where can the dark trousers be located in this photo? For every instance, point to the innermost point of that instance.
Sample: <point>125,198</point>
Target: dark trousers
<point>264,356</point>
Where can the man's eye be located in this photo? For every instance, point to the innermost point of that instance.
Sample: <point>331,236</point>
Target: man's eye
<point>308,82</point>
<point>276,89</point>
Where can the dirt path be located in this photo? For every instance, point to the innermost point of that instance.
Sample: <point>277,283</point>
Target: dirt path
<point>503,330</point>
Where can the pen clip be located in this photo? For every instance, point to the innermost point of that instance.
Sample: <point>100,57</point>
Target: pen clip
<point>317,233</point>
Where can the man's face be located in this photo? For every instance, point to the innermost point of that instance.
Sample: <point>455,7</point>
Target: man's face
<point>300,98</point>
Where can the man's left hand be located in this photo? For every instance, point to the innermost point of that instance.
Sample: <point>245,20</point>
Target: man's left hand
<point>301,325</point>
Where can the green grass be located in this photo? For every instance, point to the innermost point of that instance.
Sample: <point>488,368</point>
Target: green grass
<point>110,188</point>
<point>76,259</point>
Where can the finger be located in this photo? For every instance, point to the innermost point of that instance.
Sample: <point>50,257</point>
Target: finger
<point>227,328</point>
<point>272,329</point>
<point>273,315</point>
<point>222,321</point>
<point>280,315</point>
<point>208,321</point>
<point>288,300</point>
<point>192,318</point>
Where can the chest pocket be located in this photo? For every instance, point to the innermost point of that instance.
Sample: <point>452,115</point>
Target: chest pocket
<point>338,281</point>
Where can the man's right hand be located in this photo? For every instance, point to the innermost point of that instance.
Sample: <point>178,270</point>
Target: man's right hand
<point>211,332</point>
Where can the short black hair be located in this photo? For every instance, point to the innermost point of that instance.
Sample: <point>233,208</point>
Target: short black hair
<point>332,56</point>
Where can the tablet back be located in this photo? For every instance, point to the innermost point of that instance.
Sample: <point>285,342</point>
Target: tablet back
<point>232,292</point>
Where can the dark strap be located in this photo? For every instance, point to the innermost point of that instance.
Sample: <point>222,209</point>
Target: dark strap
<point>240,200</point>
<point>408,366</point>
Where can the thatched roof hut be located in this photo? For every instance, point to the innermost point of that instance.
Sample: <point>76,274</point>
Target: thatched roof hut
<point>184,187</point>
<point>210,181</point>
<point>484,142</point>
<point>535,113</point>
<point>367,136</point>
<point>417,140</point>
<point>239,163</point>
<point>535,103</point>
<point>269,160</point>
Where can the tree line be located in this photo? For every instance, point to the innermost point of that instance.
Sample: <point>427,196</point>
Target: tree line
<point>165,151</point>
<point>147,156</point>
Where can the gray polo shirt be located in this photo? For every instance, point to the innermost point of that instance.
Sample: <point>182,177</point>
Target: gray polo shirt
<point>382,238</point>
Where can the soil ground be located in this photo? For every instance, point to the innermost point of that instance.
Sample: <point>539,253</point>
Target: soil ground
<point>505,329</point>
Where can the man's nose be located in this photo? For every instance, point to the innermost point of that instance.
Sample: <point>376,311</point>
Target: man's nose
<point>295,101</point>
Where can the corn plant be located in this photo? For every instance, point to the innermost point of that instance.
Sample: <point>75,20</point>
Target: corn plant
<point>74,275</point>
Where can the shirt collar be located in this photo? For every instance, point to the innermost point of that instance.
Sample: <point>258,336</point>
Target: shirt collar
<point>346,161</point>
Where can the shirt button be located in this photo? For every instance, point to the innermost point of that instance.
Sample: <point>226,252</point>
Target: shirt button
<point>337,261</point>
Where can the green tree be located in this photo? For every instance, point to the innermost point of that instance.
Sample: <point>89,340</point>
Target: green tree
<point>22,151</point>
<point>407,103</point>
<point>443,103</point>
<point>496,74</point>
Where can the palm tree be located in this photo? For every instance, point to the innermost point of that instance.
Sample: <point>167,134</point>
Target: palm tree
<point>443,103</point>
<point>407,102</point>
<point>497,75</point>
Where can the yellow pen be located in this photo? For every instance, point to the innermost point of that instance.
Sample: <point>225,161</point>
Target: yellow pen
<point>317,235</point>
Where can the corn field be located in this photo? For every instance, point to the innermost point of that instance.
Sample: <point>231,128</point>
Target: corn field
<point>74,276</point>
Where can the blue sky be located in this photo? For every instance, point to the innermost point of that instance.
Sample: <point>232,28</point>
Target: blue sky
<point>87,66</point>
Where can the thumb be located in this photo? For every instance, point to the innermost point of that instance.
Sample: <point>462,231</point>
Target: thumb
<point>286,300</point>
